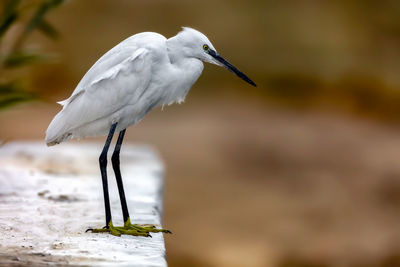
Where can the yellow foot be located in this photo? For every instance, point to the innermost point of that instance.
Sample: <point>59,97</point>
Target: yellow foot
<point>130,229</point>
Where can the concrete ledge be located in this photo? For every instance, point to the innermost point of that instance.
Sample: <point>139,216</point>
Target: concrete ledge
<point>50,196</point>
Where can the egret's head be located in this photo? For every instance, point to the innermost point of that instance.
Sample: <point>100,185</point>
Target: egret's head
<point>195,44</point>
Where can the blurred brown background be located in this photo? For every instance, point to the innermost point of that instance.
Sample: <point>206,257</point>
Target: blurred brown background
<point>303,170</point>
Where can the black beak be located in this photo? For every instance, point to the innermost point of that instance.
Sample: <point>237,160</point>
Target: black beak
<point>230,67</point>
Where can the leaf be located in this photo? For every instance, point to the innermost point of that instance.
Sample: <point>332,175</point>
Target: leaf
<point>9,16</point>
<point>46,28</point>
<point>40,13</point>
<point>21,58</point>
<point>8,87</point>
<point>14,99</point>
<point>11,94</point>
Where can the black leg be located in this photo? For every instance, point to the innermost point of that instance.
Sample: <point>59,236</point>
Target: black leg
<point>103,169</point>
<point>128,228</point>
<point>117,171</point>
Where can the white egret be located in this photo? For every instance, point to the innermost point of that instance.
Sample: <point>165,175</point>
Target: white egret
<point>140,73</point>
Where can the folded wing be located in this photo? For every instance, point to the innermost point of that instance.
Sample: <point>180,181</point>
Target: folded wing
<point>116,80</point>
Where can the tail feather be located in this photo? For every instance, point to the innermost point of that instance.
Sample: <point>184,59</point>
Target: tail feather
<point>57,132</point>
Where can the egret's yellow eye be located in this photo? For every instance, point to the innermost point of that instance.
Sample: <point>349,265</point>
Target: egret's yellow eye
<point>205,47</point>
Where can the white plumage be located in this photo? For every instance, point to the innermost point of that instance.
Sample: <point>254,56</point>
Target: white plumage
<point>140,73</point>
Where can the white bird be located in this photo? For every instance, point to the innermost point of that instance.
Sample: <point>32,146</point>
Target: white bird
<point>142,72</point>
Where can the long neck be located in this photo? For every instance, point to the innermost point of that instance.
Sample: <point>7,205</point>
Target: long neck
<point>176,50</point>
<point>187,67</point>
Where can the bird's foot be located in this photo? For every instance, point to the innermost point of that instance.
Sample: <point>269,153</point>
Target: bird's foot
<point>129,229</point>
<point>146,228</point>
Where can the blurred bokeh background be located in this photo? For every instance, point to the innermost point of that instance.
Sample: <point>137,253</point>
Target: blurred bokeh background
<point>303,170</point>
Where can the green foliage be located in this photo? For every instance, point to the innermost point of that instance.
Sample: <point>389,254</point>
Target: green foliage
<point>20,59</point>
<point>9,15</point>
<point>29,15</point>
<point>12,93</point>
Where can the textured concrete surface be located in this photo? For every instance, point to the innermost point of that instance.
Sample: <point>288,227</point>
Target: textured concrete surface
<point>50,196</point>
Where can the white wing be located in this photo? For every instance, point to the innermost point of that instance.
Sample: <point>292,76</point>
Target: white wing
<point>117,79</point>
